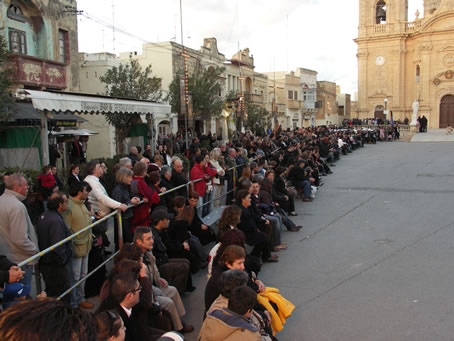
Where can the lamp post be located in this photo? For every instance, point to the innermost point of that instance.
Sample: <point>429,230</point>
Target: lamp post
<point>386,108</point>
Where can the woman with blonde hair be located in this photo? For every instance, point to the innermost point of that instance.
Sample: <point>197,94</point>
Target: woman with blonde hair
<point>218,180</point>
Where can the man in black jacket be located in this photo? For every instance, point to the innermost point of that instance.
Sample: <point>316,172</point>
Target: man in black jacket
<point>178,178</point>
<point>54,265</point>
<point>174,270</point>
<point>124,300</point>
<point>300,180</point>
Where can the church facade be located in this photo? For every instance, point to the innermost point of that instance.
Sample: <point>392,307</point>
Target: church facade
<point>406,67</point>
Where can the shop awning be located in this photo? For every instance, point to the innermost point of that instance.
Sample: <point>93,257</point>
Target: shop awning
<point>92,104</point>
<point>25,112</point>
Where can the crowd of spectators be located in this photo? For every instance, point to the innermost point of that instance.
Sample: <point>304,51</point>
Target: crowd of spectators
<point>253,181</point>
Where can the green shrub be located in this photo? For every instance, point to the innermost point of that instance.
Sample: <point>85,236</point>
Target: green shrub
<point>29,175</point>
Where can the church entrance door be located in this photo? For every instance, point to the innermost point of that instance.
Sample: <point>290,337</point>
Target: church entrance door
<point>447,111</point>
<point>379,112</point>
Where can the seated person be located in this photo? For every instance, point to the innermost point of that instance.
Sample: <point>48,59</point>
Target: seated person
<point>232,323</point>
<point>181,233</point>
<point>248,224</point>
<point>230,280</point>
<point>205,233</point>
<point>124,300</point>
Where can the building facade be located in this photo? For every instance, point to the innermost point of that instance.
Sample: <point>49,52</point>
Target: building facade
<point>327,111</point>
<point>308,80</point>
<point>42,36</point>
<point>406,67</point>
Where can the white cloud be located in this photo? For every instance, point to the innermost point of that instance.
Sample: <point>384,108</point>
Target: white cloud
<point>285,34</point>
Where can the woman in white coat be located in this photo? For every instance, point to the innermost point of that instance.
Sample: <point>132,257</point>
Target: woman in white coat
<point>218,180</point>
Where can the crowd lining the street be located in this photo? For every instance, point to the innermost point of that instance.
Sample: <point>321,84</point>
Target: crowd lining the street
<point>253,180</point>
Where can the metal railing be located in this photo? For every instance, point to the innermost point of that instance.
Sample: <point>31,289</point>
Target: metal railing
<point>117,212</point>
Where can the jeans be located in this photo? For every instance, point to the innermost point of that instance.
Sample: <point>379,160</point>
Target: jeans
<point>79,269</point>
<point>276,223</point>
<point>27,279</point>
<point>208,197</point>
<point>199,207</point>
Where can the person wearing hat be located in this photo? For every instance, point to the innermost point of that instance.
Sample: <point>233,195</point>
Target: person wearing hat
<point>14,293</point>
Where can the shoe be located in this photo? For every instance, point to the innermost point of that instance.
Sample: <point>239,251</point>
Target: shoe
<point>280,247</point>
<point>293,214</point>
<point>307,200</point>
<point>86,305</point>
<point>333,165</point>
<point>294,229</point>
<point>324,174</point>
<point>321,184</point>
<point>272,259</point>
<point>187,328</point>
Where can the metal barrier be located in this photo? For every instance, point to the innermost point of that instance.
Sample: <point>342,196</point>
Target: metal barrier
<point>119,228</point>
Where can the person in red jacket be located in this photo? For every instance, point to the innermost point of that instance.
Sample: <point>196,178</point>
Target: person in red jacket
<point>151,197</point>
<point>201,171</point>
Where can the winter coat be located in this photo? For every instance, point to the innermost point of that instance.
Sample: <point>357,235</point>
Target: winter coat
<point>18,240</point>
<point>226,325</point>
<point>76,218</point>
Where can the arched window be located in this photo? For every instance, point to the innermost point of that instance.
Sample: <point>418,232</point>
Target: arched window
<point>15,13</point>
<point>380,14</point>
<point>418,73</point>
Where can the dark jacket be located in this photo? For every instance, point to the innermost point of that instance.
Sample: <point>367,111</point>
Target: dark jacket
<point>51,229</point>
<point>159,248</point>
<point>72,180</point>
<point>137,325</point>
<point>5,264</point>
<point>247,223</point>
<point>178,179</point>
<point>168,197</point>
<point>121,194</point>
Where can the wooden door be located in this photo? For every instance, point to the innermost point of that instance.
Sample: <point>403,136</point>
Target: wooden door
<point>447,111</point>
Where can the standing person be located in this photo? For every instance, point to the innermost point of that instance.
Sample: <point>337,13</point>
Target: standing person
<point>18,238</point>
<point>51,229</point>
<point>166,176</point>
<point>218,180</point>
<point>141,216</point>
<point>100,202</point>
<point>76,218</point>
<point>201,171</point>
<point>2,186</point>
<point>47,183</point>
<point>73,175</point>
<point>178,178</point>
<point>231,174</point>
<point>77,152</point>
<point>123,178</point>
<point>209,192</point>
<point>53,170</point>
<point>133,155</point>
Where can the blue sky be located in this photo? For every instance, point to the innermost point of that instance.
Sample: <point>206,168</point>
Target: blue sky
<point>282,35</point>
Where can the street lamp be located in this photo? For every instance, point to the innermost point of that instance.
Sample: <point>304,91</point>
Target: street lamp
<point>386,108</point>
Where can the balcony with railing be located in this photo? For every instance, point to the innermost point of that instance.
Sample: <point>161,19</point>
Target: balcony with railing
<point>255,98</point>
<point>295,104</point>
<point>39,72</point>
<point>393,28</point>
